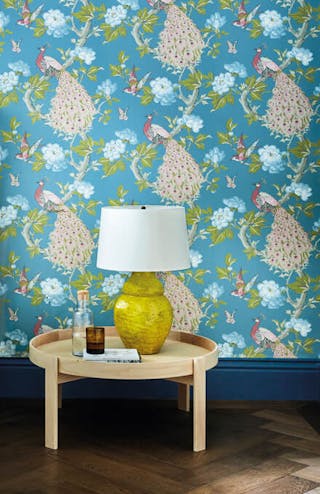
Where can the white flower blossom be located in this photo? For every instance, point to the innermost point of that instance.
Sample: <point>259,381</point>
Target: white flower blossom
<point>222,217</point>
<point>3,154</point>
<point>163,91</point>
<point>8,81</point>
<point>86,189</point>
<point>127,135</point>
<point>7,348</point>
<point>223,82</point>
<point>316,225</point>
<point>271,294</point>
<point>236,68</point>
<point>195,258</point>
<point>302,326</point>
<point>8,214</point>
<point>19,201</point>
<point>271,159</point>
<point>56,23</point>
<point>18,337</point>
<point>225,350</point>
<point>235,339</point>
<point>112,284</point>
<point>55,157</point>
<point>115,15</point>
<point>107,88</point>
<point>132,4</point>
<point>114,149</point>
<point>316,90</point>
<point>299,189</point>
<point>84,53</point>
<point>20,67</point>
<point>3,288</point>
<point>53,291</point>
<point>193,122</point>
<point>213,291</point>
<point>303,55</point>
<point>272,24</point>
<point>235,202</point>
<point>4,20</point>
<point>214,156</point>
<point>215,21</point>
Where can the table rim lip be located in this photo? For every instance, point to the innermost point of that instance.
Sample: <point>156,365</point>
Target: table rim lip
<point>188,338</point>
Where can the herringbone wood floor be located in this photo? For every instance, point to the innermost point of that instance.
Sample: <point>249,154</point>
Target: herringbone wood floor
<point>145,447</point>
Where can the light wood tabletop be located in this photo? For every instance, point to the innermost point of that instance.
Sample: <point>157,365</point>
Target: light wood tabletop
<point>184,358</point>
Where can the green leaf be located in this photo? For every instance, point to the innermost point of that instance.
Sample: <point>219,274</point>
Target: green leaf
<point>33,250</point>
<point>6,99</point>
<point>38,161</point>
<point>92,73</point>
<point>10,4</point>
<point>302,149</point>
<point>83,282</point>
<point>193,81</point>
<point>86,13</point>
<point>111,33</point>
<point>254,300</point>
<point>301,284</point>
<point>250,252</point>
<point>5,233</point>
<point>223,273</point>
<point>85,147</point>
<point>111,168</point>
<point>42,87</point>
<point>256,29</point>
<point>116,70</point>
<point>226,4</point>
<point>148,20</point>
<point>250,352</point>
<point>40,29</point>
<point>37,297</point>
<point>218,236</point>
<point>303,14</point>
<point>147,96</point>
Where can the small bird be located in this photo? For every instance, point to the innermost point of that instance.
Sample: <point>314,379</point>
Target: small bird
<point>26,151</point>
<point>47,65</point>
<point>15,46</point>
<point>230,319</point>
<point>123,113</point>
<point>243,152</point>
<point>13,314</point>
<point>40,328</point>
<point>24,284</point>
<point>14,180</point>
<point>155,133</point>
<point>264,65</point>
<point>241,286</point>
<point>47,199</point>
<point>134,84</point>
<point>231,184</point>
<point>232,46</point>
<point>267,339</point>
<point>263,200</point>
<point>27,16</point>
<point>245,17</point>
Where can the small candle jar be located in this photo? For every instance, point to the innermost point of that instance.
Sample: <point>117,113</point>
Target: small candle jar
<point>95,339</point>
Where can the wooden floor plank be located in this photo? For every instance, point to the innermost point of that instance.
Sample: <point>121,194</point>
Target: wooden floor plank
<point>127,447</point>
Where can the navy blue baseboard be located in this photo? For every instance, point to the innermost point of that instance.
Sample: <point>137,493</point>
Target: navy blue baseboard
<point>245,379</point>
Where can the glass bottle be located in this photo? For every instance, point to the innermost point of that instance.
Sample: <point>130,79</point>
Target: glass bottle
<point>82,318</point>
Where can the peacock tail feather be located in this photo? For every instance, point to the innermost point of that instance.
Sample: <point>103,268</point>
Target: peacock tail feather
<point>187,312</point>
<point>179,176</point>
<point>72,109</point>
<point>289,110</point>
<point>70,244</point>
<point>288,246</point>
<point>180,44</point>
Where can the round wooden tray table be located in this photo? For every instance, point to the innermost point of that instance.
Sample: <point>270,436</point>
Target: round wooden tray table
<point>184,358</point>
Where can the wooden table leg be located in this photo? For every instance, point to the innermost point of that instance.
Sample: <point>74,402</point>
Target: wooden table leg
<point>184,397</point>
<point>51,404</point>
<point>199,405</point>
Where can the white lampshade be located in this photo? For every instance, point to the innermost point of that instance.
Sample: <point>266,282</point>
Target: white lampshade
<point>143,238</point>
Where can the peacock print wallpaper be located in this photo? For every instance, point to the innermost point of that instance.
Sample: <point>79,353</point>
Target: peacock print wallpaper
<point>209,104</point>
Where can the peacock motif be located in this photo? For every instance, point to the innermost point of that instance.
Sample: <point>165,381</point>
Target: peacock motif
<point>179,176</point>
<point>187,312</point>
<point>289,111</point>
<point>70,243</point>
<point>180,43</point>
<point>287,245</point>
<point>71,109</point>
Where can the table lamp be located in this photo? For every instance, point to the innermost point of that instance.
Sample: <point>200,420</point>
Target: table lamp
<point>143,240</point>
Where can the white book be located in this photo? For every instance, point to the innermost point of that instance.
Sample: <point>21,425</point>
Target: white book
<point>115,355</point>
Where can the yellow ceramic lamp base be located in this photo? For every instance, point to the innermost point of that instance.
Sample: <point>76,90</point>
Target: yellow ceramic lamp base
<point>142,314</point>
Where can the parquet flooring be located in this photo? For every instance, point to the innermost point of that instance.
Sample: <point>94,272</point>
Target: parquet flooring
<point>145,447</point>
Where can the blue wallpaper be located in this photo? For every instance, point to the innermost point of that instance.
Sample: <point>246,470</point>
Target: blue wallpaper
<point>211,105</point>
